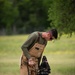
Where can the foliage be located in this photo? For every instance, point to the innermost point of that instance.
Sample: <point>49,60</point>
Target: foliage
<point>23,16</point>
<point>62,14</point>
<point>26,16</point>
<point>8,14</point>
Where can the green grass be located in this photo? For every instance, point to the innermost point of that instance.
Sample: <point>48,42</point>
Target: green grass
<point>60,55</point>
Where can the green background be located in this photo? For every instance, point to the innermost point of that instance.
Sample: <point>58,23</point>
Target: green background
<point>60,55</point>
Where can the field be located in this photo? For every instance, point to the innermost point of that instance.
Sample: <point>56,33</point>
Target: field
<point>60,54</point>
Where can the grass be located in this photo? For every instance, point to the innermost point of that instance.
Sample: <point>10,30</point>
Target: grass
<point>60,55</point>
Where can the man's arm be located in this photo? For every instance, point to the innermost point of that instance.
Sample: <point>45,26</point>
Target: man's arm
<point>33,37</point>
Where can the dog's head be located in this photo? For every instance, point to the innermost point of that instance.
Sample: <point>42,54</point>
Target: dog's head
<point>44,68</point>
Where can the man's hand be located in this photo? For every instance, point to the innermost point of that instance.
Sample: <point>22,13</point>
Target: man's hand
<point>31,62</point>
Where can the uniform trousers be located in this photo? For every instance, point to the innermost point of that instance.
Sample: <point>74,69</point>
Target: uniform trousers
<point>25,69</point>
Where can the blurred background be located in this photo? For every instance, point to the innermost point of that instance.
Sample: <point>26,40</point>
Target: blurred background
<point>19,18</point>
<point>26,16</point>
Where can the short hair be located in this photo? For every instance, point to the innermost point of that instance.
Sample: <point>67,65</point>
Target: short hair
<point>54,33</point>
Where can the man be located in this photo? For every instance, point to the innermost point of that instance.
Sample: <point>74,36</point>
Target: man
<point>33,49</point>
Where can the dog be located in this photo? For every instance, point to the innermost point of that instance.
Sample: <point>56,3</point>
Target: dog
<point>44,68</point>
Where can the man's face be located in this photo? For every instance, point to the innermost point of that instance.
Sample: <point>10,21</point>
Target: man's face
<point>49,36</point>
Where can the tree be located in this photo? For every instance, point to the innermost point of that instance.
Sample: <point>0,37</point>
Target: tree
<point>33,14</point>
<point>8,15</point>
<point>62,14</point>
<point>23,16</point>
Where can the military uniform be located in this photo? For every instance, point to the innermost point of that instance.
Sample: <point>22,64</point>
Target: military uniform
<point>33,47</point>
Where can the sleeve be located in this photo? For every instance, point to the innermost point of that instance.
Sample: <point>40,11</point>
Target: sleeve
<point>27,43</point>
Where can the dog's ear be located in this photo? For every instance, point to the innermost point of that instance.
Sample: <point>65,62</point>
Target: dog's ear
<point>44,58</point>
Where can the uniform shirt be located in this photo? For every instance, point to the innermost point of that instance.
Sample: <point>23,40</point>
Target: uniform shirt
<point>32,39</point>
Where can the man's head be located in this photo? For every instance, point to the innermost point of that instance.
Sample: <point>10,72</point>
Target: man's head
<point>53,33</point>
<point>50,35</point>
